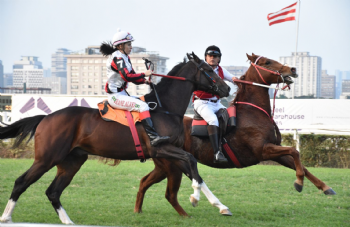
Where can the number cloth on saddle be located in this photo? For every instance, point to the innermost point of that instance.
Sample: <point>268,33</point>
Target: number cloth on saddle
<point>108,113</point>
<point>227,120</point>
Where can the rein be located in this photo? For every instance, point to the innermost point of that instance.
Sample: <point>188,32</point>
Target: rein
<point>262,85</point>
<point>212,82</point>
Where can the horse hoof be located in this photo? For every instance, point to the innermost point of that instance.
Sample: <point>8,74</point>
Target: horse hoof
<point>298,187</point>
<point>6,220</point>
<point>193,201</point>
<point>329,192</point>
<point>226,212</point>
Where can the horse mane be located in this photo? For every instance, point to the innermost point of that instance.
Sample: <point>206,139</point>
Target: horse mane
<point>165,83</point>
<point>240,90</point>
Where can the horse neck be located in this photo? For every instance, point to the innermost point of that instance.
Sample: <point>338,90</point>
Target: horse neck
<point>179,93</point>
<point>254,94</point>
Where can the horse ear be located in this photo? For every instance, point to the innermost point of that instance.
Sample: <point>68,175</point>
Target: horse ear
<point>189,56</point>
<point>250,58</point>
<point>195,57</point>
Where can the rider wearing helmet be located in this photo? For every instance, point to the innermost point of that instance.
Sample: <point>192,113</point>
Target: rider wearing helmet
<point>119,73</point>
<point>207,104</point>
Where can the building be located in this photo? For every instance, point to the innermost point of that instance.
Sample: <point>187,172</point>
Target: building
<point>58,85</point>
<point>28,71</point>
<point>345,89</point>
<point>19,90</point>
<point>236,71</point>
<point>8,79</point>
<point>47,72</point>
<point>327,85</point>
<point>1,74</point>
<point>59,63</point>
<point>86,72</point>
<point>340,76</point>
<point>309,71</point>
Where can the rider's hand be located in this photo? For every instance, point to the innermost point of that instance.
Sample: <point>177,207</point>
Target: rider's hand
<point>148,73</point>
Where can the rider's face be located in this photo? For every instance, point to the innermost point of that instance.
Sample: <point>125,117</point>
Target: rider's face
<point>127,47</point>
<point>212,60</point>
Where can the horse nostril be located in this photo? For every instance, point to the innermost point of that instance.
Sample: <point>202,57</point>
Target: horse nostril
<point>229,89</point>
<point>294,70</point>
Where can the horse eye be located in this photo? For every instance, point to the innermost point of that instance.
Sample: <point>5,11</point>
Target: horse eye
<point>267,62</point>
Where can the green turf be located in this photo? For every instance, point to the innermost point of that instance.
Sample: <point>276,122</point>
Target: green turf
<point>257,196</point>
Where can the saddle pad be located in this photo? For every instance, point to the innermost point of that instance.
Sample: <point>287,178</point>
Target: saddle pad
<point>109,114</point>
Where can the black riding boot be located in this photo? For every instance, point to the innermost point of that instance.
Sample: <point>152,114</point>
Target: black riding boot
<point>151,132</point>
<point>213,132</point>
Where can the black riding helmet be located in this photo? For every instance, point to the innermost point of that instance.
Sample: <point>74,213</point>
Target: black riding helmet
<point>213,50</point>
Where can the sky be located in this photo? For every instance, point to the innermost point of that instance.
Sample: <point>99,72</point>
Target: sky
<point>174,28</point>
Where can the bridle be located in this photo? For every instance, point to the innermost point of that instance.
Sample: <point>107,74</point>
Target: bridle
<point>208,88</point>
<point>257,67</point>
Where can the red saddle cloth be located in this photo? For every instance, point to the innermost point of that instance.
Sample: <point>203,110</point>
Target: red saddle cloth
<point>227,119</point>
<point>126,118</point>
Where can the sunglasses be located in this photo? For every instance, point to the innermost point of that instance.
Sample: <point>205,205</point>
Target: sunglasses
<point>213,52</point>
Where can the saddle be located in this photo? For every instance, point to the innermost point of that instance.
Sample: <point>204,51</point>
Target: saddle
<point>227,121</point>
<point>108,113</point>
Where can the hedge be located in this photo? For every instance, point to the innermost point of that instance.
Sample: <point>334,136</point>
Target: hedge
<point>322,150</point>
<point>315,150</point>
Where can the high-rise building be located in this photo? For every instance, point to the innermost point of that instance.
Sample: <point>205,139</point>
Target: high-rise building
<point>8,79</point>
<point>327,85</point>
<point>309,71</point>
<point>345,89</point>
<point>340,76</point>
<point>59,63</point>
<point>236,71</point>
<point>30,71</point>
<point>1,74</point>
<point>47,72</point>
<point>58,85</point>
<point>86,72</point>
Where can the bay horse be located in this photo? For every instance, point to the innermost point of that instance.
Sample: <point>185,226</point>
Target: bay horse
<point>65,138</point>
<point>255,138</point>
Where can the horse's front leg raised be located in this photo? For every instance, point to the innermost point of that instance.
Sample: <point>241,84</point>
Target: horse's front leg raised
<point>272,151</point>
<point>187,164</point>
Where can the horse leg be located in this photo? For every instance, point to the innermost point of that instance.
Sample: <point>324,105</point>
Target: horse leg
<point>156,176</point>
<point>65,173</point>
<point>272,151</point>
<point>288,161</point>
<point>187,164</point>
<point>22,183</point>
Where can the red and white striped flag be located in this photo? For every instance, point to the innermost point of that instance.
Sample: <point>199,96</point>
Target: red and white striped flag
<point>285,14</point>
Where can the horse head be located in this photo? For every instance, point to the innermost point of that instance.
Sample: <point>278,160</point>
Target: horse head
<point>271,71</point>
<point>207,79</point>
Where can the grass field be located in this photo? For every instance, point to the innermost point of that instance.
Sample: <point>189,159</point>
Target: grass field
<point>257,196</point>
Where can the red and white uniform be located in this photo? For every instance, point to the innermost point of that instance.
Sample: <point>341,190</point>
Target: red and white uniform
<point>119,73</point>
<point>207,104</point>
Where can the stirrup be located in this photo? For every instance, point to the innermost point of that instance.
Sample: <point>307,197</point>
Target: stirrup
<point>219,157</point>
<point>159,140</point>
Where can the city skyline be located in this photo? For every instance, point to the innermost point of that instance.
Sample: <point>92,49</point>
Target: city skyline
<point>237,28</point>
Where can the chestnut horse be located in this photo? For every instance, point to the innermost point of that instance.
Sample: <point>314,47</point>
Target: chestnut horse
<point>256,138</point>
<point>66,137</point>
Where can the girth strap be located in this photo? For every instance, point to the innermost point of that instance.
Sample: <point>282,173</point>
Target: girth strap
<point>135,136</point>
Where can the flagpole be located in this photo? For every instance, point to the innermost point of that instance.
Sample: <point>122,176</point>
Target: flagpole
<point>296,46</point>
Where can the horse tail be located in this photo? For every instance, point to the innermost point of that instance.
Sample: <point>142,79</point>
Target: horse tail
<point>106,48</point>
<point>21,129</point>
